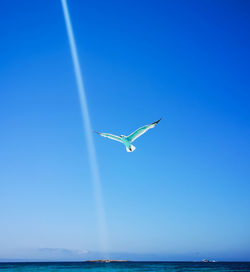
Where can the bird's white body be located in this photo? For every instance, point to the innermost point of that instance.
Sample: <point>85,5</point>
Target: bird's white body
<point>127,140</point>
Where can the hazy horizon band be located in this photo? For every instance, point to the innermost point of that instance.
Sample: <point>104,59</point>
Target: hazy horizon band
<point>88,131</point>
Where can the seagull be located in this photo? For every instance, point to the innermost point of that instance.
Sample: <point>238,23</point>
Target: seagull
<point>127,140</point>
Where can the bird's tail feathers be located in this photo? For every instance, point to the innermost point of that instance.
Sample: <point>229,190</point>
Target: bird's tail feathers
<point>131,148</point>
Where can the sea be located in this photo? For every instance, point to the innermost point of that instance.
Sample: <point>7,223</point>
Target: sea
<point>125,266</point>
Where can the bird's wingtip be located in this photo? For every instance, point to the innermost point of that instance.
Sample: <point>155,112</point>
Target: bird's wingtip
<point>156,122</point>
<point>96,132</point>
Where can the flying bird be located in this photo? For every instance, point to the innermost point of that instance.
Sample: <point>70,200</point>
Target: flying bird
<point>127,140</point>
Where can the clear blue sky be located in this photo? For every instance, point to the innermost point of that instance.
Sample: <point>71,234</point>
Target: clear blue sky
<point>184,192</point>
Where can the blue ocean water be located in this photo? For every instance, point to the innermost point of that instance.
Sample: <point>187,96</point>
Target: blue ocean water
<point>126,266</point>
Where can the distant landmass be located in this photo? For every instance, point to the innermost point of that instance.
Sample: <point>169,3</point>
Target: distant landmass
<point>106,261</point>
<point>208,261</point>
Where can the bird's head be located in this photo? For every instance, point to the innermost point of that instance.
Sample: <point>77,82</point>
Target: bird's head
<point>122,136</point>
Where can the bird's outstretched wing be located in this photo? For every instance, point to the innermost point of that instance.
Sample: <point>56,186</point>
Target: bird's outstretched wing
<point>110,136</point>
<point>133,136</point>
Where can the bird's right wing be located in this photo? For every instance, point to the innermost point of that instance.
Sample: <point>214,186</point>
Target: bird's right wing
<point>110,136</point>
<point>133,136</point>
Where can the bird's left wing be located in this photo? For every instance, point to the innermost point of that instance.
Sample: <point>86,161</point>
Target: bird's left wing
<point>110,136</point>
<point>133,136</point>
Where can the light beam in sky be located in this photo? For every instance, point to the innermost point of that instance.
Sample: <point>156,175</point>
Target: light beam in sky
<point>88,132</point>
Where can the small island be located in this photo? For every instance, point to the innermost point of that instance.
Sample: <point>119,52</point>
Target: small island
<point>106,261</point>
<point>208,261</point>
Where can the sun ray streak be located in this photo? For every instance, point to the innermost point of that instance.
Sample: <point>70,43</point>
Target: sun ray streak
<point>88,131</point>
